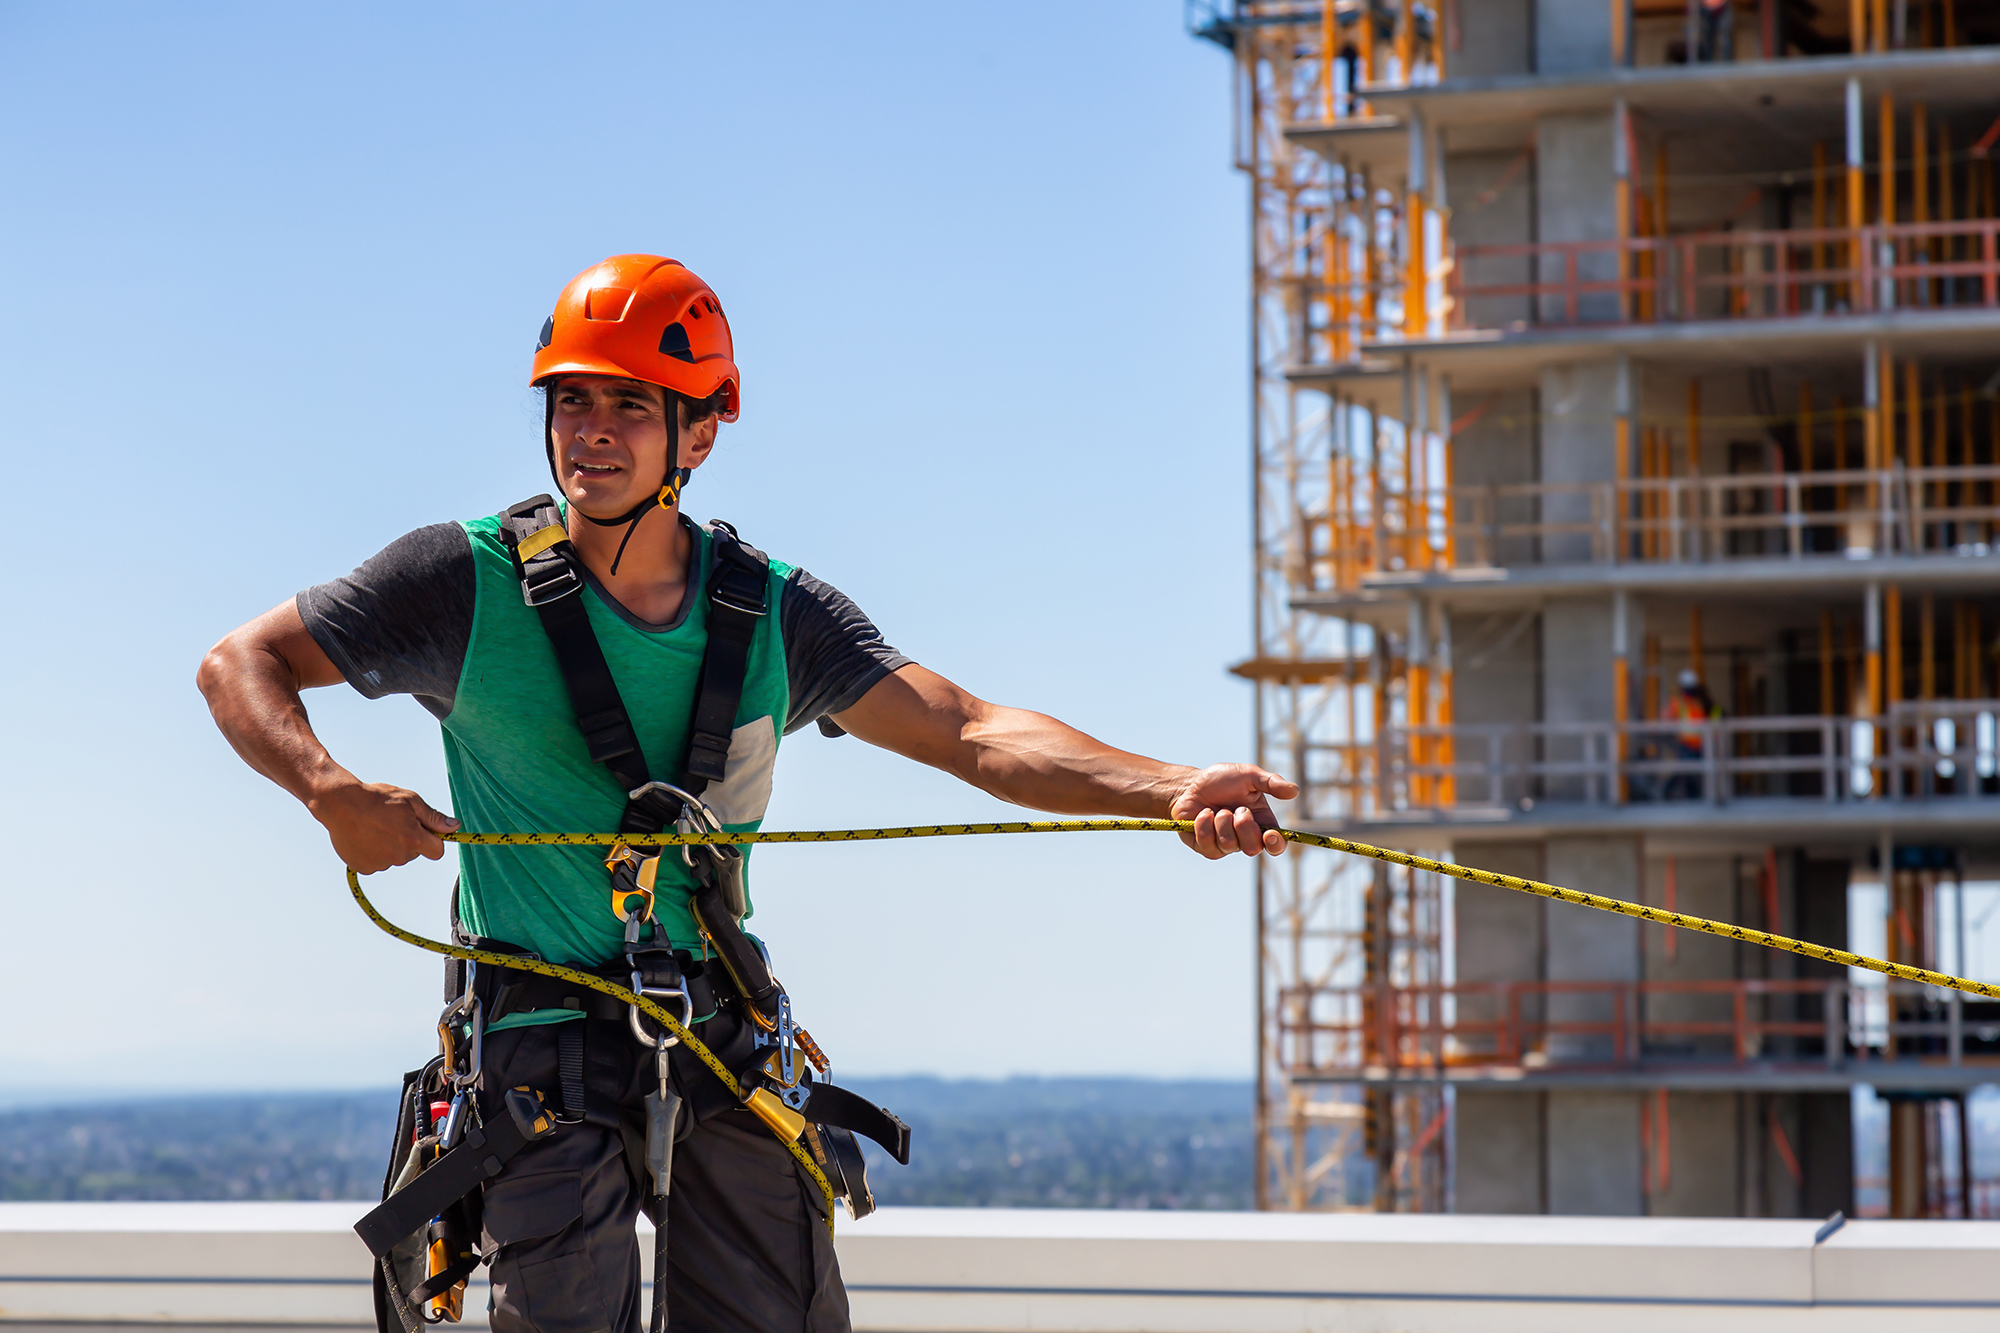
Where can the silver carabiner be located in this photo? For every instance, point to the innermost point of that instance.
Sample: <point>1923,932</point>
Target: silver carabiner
<point>666,1039</point>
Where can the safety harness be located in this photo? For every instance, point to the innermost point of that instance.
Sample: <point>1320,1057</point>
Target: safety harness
<point>781,1074</point>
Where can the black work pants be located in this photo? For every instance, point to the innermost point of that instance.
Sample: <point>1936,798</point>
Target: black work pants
<point>749,1250</point>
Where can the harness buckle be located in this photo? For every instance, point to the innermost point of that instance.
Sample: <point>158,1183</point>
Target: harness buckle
<point>549,578</point>
<point>719,596</point>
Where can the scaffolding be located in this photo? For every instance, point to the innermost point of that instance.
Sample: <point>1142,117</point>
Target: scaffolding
<point>1329,271</point>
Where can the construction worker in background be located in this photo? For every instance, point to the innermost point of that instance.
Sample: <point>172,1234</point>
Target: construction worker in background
<point>1691,709</point>
<point>1718,31</point>
<point>601,662</point>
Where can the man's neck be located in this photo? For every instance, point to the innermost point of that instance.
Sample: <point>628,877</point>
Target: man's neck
<point>652,576</point>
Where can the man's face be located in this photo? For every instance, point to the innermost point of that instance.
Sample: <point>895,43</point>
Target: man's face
<point>610,441</point>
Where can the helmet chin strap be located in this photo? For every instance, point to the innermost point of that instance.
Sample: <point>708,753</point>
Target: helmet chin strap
<point>670,489</point>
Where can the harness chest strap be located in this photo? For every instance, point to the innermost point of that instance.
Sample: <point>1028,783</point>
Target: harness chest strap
<point>738,600</point>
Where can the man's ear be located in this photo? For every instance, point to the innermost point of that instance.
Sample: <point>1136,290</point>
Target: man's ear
<point>697,437</point>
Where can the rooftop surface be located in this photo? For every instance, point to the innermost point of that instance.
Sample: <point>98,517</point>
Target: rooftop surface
<point>272,1265</point>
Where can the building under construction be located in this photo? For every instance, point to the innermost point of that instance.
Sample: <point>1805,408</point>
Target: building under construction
<point>1627,487</point>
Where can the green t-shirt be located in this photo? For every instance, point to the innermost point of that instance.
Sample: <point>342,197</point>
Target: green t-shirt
<point>518,764</point>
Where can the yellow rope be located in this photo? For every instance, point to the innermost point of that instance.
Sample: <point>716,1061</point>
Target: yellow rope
<point>593,982</point>
<point>673,1025</point>
<point>1637,910</point>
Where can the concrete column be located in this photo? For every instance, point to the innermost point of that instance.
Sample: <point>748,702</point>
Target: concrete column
<point>1497,1157</point>
<point>1593,1147</point>
<point>1575,200</point>
<point>1576,687</point>
<point>1592,1150</point>
<point>1572,36</point>
<point>1498,1153</point>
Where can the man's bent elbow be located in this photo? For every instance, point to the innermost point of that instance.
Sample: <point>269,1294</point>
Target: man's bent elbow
<point>222,665</point>
<point>215,671</point>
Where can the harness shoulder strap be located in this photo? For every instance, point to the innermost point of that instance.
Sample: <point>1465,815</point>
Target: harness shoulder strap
<point>552,582</point>
<point>738,597</point>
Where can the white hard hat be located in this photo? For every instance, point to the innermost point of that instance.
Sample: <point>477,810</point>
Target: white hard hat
<point>1690,678</point>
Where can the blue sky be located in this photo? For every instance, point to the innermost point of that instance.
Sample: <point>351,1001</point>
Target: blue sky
<point>272,276</point>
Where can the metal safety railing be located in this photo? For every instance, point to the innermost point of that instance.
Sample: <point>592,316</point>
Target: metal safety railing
<point>1346,1031</point>
<point>1730,274</point>
<point>1851,513</point>
<point>1918,751</point>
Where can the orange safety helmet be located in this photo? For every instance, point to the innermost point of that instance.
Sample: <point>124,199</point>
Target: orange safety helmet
<point>644,318</point>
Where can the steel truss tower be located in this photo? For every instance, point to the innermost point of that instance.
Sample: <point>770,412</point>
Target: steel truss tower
<point>1328,258</point>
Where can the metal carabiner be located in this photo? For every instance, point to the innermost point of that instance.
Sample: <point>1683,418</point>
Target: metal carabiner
<point>467,1009</point>
<point>665,1040</point>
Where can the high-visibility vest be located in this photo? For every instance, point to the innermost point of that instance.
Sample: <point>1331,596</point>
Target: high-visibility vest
<point>1685,708</point>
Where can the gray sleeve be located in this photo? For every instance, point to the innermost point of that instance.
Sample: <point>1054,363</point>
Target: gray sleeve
<point>833,653</point>
<point>401,623</point>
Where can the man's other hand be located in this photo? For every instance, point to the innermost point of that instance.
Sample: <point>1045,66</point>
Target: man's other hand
<point>375,826</point>
<point>1231,813</point>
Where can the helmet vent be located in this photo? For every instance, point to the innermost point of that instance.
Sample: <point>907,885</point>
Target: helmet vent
<point>548,333</point>
<point>674,343</point>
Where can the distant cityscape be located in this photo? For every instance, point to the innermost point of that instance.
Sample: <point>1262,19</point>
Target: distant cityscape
<point>1049,1143</point>
<point>1023,1143</point>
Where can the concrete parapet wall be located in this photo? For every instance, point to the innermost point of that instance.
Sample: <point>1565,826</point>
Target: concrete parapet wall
<point>943,1269</point>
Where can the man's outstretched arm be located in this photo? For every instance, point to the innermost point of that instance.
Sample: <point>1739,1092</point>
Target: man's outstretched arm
<point>1032,759</point>
<point>252,681</point>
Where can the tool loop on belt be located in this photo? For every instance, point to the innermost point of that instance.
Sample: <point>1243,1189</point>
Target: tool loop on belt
<point>1639,911</point>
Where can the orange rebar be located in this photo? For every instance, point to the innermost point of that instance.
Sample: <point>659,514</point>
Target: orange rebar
<point>1650,678</point>
<point>1327,32</point>
<point>1892,642</point>
<point>1913,414</point>
<point>1808,448</point>
<point>1819,219</point>
<point>1857,26</point>
<point>1364,52</point>
<point>1885,409</point>
<point>1406,42</point>
<point>1416,318</point>
<point>1886,172</point>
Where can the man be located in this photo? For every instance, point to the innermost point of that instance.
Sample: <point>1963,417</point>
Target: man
<point>1691,709</point>
<point>577,724</point>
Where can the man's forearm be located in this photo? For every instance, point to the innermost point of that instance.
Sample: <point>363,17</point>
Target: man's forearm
<point>1020,756</point>
<point>1035,760</point>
